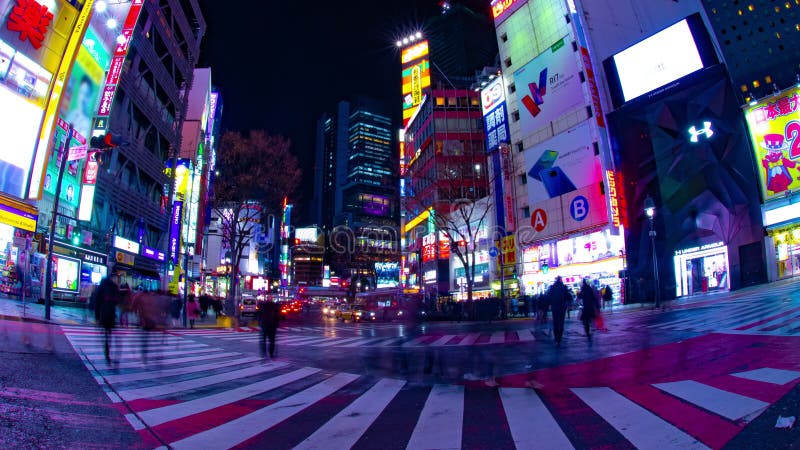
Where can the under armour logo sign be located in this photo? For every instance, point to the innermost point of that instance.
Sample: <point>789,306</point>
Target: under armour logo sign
<point>695,133</point>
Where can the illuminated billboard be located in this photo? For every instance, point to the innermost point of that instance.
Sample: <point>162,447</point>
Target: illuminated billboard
<point>663,58</point>
<point>37,45</point>
<point>495,117</point>
<point>774,125</point>
<point>416,77</point>
<point>307,234</point>
<point>66,274</point>
<point>550,86</point>
<point>119,54</point>
<point>564,179</point>
<point>501,9</point>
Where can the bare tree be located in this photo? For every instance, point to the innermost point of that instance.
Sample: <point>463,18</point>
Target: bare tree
<point>256,172</point>
<point>460,206</point>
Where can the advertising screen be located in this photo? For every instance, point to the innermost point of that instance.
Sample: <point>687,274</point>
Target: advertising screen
<point>23,91</point>
<point>307,234</point>
<point>549,86</point>
<point>587,248</point>
<point>67,273</point>
<point>387,274</point>
<point>658,60</point>
<point>774,125</point>
<point>564,180</point>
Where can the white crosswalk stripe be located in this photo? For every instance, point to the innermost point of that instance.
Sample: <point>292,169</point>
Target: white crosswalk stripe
<point>245,427</point>
<point>345,428</point>
<point>643,428</point>
<point>523,404</point>
<point>726,404</point>
<point>441,421</point>
<point>150,375</point>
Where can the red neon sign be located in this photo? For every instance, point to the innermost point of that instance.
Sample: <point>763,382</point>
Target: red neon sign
<point>501,6</point>
<point>31,20</point>
<point>613,196</point>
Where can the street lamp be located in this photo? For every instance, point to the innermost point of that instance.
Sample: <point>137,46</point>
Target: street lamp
<point>650,212</point>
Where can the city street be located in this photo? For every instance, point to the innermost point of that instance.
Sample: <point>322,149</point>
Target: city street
<point>699,375</point>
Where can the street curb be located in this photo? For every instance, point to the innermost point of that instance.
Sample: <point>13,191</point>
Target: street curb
<point>27,319</point>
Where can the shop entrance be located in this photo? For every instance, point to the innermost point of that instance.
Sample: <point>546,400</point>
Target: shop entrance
<point>702,270</point>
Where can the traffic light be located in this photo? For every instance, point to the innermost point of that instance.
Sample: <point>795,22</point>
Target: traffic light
<point>76,238</point>
<point>107,140</point>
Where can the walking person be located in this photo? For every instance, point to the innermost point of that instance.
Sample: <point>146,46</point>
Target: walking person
<point>558,297</point>
<point>608,296</point>
<point>590,306</point>
<point>106,310</point>
<point>268,318</point>
<point>192,311</point>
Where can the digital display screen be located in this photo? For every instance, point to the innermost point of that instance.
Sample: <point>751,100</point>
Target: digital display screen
<point>658,60</point>
<point>67,273</point>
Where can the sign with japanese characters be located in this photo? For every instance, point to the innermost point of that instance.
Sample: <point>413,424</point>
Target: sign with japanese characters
<point>495,117</point>
<point>119,54</point>
<point>775,133</point>
<point>31,20</point>
<point>416,78</point>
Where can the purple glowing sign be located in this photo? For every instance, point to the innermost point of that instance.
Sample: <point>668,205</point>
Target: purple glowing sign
<point>149,252</point>
<point>175,230</point>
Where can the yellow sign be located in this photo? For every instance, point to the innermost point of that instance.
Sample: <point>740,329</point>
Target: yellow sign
<point>18,214</point>
<point>775,132</point>
<point>508,250</point>
<point>414,52</point>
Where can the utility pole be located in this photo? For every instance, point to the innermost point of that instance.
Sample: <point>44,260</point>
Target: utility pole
<point>48,296</point>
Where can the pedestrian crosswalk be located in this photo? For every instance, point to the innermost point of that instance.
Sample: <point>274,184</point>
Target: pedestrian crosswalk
<point>325,340</point>
<point>234,400</point>
<point>769,315</point>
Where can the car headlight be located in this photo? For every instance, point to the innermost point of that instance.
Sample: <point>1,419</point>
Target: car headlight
<point>399,313</point>
<point>372,313</point>
<point>324,310</point>
<point>358,313</point>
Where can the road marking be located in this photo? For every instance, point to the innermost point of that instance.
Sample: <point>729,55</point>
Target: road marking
<point>337,341</point>
<point>498,337</point>
<point>470,339</point>
<point>442,340</point>
<point>130,356</point>
<point>769,375</point>
<point>532,425</point>
<point>195,383</point>
<point>168,413</point>
<point>726,404</point>
<point>364,342</point>
<point>347,427</point>
<point>135,422</point>
<point>416,341</point>
<point>389,341</point>
<point>128,377</point>
<point>441,421</point>
<point>239,430</point>
<point>526,335</point>
<point>643,428</point>
<point>162,362</point>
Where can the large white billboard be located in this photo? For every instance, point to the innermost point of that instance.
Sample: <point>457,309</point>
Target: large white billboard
<point>564,183</point>
<point>657,61</point>
<point>549,85</point>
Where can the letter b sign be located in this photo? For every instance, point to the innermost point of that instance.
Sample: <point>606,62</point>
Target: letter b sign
<point>579,208</point>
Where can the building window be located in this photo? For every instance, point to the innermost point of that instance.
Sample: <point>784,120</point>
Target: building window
<point>508,62</point>
<point>504,37</point>
<point>439,101</point>
<point>512,88</point>
<point>526,212</point>
<point>519,146</point>
<point>451,101</point>
<point>515,116</point>
<point>475,101</point>
<point>523,179</point>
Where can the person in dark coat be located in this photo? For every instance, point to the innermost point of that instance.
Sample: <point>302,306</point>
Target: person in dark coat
<point>590,306</point>
<point>558,297</point>
<point>105,310</point>
<point>268,317</point>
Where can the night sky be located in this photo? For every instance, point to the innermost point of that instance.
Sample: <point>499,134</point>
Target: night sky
<point>280,64</point>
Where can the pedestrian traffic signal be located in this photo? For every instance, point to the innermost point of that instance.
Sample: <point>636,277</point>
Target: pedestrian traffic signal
<point>107,140</point>
<point>545,267</point>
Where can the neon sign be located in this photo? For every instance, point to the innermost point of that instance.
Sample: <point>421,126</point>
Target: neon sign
<point>415,52</point>
<point>695,133</point>
<point>614,199</point>
<point>30,20</point>
<point>501,6</point>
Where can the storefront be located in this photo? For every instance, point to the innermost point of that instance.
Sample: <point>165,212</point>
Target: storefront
<point>598,256</point>
<point>77,271</point>
<point>784,253</point>
<point>702,269</point>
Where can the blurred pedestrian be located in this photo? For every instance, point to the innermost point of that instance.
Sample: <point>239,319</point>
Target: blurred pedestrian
<point>205,302</point>
<point>192,311</point>
<point>591,304</point>
<point>559,298</point>
<point>268,317</point>
<point>608,296</point>
<point>106,310</point>
<point>175,310</point>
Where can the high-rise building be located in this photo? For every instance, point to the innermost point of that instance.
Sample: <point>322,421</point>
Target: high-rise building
<point>357,186</point>
<point>442,153</point>
<point>132,193</point>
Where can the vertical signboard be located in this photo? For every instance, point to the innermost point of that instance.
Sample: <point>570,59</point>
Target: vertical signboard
<point>774,125</point>
<point>118,58</point>
<point>495,117</point>
<point>175,230</point>
<point>416,77</point>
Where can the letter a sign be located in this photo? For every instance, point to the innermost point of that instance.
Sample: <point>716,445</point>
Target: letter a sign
<point>539,220</point>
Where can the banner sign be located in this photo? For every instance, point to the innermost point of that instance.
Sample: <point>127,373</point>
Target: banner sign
<point>175,230</point>
<point>774,125</point>
<point>495,117</point>
<point>550,86</point>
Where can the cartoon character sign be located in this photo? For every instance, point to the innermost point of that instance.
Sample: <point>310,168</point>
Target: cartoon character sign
<point>776,163</point>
